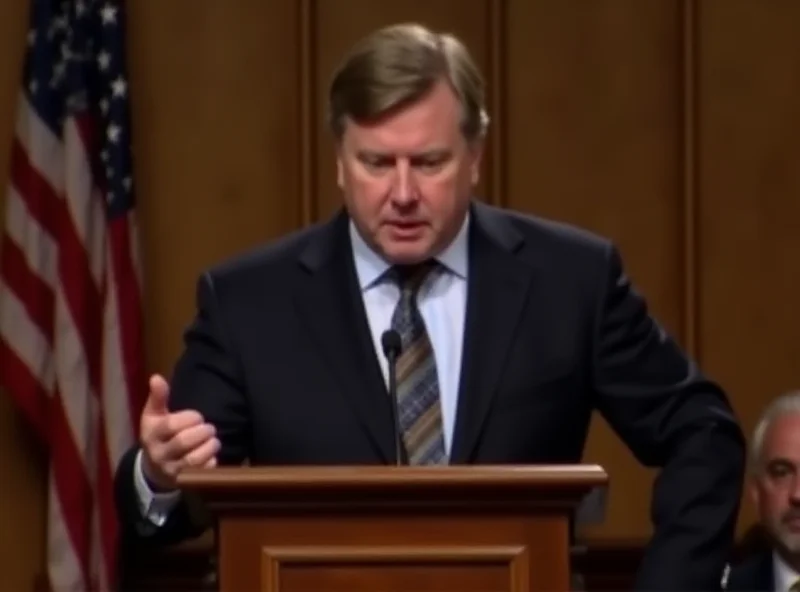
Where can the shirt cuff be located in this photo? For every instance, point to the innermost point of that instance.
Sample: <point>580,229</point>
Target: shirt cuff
<point>155,507</point>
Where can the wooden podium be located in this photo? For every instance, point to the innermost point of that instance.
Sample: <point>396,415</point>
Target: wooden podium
<point>393,529</point>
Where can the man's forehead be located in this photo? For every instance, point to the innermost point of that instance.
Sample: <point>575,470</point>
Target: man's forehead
<point>783,437</point>
<point>381,139</point>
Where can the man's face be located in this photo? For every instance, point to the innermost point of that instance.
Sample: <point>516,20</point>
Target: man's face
<point>776,486</point>
<point>408,179</point>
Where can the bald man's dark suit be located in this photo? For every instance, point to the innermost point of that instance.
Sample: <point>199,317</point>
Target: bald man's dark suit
<point>753,575</point>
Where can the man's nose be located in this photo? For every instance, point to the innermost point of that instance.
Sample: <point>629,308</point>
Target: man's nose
<point>404,189</point>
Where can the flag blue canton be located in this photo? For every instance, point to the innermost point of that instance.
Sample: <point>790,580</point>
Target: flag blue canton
<point>75,68</point>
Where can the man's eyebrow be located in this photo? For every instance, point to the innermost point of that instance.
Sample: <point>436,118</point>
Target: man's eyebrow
<point>434,152</point>
<point>374,154</point>
<point>381,154</point>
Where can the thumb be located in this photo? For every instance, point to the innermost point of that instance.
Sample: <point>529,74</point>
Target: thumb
<point>157,399</point>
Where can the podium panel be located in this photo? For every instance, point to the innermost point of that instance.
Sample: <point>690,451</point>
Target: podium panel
<point>395,569</point>
<point>423,553</point>
<point>391,529</point>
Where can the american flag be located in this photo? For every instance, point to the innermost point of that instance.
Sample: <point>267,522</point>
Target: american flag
<point>70,302</point>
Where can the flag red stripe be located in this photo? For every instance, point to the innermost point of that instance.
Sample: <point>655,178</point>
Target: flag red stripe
<point>40,197</point>
<point>30,395</point>
<point>71,483</point>
<point>82,296</point>
<point>35,295</point>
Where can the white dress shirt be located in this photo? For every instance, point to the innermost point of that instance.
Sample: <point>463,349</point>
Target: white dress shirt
<point>442,302</point>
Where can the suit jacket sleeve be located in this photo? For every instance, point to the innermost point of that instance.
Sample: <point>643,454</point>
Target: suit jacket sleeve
<point>672,417</point>
<point>208,379</point>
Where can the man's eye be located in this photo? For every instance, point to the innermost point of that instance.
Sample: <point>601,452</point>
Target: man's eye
<point>377,163</point>
<point>779,471</point>
<point>429,163</point>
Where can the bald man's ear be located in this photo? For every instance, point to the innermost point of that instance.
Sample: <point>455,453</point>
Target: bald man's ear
<point>752,489</point>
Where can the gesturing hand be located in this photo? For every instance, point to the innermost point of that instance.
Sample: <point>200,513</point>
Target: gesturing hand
<point>172,442</point>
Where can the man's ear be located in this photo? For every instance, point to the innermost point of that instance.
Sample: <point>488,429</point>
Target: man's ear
<point>476,157</point>
<point>339,165</point>
<point>753,491</point>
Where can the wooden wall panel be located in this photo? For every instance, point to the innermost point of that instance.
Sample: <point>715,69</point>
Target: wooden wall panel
<point>215,113</point>
<point>749,198</point>
<point>594,139</point>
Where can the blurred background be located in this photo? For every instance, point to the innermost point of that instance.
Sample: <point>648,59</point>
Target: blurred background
<point>669,125</point>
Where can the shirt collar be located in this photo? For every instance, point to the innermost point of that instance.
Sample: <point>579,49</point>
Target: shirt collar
<point>370,266</point>
<point>785,576</point>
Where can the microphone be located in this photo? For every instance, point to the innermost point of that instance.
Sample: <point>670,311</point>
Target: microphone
<point>392,346</point>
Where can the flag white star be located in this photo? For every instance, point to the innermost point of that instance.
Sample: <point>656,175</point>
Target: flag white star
<point>59,71</point>
<point>113,133</point>
<point>109,14</point>
<point>119,86</point>
<point>104,60</point>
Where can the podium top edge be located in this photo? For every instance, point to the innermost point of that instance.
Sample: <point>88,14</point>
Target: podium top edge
<point>578,475</point>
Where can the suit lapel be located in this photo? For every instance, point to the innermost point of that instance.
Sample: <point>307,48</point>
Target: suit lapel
<point>755,574</point>
<point>496,293</point>
<point>330,303</point>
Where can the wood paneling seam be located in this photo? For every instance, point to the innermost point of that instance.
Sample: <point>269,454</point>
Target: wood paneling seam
<point>497,89</point>
<point>689,167</point>
<point>307,91</point>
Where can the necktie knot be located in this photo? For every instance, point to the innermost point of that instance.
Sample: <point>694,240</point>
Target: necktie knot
<point>411,277</point>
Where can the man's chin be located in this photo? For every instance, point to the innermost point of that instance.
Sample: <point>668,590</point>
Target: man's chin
<point>790,541</point>
<point>407,253</point>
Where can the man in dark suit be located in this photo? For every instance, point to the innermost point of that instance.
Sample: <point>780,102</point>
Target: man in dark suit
<point>775,491</point>
<point>512,330</point>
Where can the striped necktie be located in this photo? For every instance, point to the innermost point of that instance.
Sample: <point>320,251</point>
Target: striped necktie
<point>420,413</point>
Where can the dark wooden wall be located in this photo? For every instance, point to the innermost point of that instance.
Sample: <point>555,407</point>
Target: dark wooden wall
<point>669,125</point>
